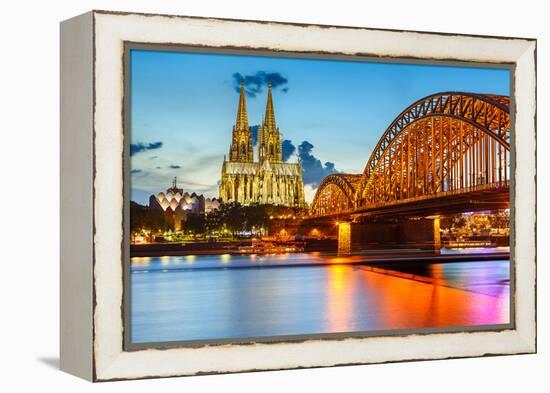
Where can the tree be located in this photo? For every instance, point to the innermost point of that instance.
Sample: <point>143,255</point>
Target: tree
<point>214,221</point>
<point>234,217</point>
<point>144,217</point>
<point>195,224</point>
<point>256,216</point>
<point>500,219</point>
<point>458,222</point>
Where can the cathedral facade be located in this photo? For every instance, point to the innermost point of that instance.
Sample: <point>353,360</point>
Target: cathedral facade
<point>268,180</point>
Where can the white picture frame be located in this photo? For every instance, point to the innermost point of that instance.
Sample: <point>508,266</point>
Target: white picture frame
<point>92,162</point>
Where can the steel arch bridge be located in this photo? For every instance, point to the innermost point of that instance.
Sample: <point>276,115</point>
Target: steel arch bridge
<point>445,143</point>
<point>338,193</point>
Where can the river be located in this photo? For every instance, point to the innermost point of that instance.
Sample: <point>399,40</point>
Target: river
<point>190,298</point>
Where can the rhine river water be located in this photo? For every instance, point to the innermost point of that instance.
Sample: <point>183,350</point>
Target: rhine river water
<point>226,296</point>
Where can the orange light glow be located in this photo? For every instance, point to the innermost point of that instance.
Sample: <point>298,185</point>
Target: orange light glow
<point>421,304</point>
<point>339,302</point>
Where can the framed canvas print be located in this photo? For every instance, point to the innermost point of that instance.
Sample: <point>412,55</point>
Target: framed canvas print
<point>245,195</point>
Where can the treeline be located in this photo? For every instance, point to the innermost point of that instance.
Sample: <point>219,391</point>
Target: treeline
<point>229,218</point>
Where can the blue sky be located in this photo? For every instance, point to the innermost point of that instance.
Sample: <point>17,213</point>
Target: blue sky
<point>183,106</point>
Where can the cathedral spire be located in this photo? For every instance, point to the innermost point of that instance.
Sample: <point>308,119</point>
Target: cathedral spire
<point>241,148</point>
<point>268,180</point>
<point>269,118</point>
<point>242,115</point>
<point>269,137</point>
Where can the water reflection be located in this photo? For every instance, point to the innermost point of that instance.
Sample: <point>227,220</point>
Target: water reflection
<point>339,300</point>
<point>205,297</point>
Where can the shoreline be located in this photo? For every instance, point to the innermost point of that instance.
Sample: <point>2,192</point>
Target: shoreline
<point>359,259</point>
<point>326,247</point>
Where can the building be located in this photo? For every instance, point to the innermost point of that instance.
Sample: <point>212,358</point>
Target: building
<point>177,204</point>
<point>268,180</point>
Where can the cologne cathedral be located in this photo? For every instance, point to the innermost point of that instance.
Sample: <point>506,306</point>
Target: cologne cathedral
<point>268,180</point>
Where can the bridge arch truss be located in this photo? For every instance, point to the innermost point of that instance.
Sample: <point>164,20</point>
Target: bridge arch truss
<point>336,193</point>
<point>446,142</point>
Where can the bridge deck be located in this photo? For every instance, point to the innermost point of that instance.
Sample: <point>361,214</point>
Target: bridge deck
<point>479,198</point>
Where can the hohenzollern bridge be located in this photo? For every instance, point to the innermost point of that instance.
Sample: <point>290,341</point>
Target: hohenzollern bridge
<point>446,153</point>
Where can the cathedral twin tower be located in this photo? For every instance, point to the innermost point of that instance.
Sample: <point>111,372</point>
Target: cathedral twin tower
<point>268,180</point>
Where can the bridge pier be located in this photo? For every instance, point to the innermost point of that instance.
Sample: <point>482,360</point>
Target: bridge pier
<point>437,233</point>
<point>344,238</point>
<point>421,233</point>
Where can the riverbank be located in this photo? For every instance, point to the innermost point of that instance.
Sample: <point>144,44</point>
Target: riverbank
<point>310,246</point>
<point>182,249</point>
<point>378,258</point>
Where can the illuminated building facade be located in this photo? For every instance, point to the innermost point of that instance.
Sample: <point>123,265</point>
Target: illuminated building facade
<point>175,199</point>
<point>177,204</point>
<point>268,180</point>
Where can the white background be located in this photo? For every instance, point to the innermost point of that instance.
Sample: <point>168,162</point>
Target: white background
<point>29,197</point>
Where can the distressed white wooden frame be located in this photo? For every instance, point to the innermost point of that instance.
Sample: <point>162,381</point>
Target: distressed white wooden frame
<point>92,117</point>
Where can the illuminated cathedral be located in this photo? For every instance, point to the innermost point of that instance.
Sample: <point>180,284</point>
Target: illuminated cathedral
<point>268,180</point>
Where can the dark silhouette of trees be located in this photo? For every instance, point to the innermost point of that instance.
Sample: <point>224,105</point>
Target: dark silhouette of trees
<point>195,224</point>
<point>146,218</point>
<point>256,216</point>
<point>214,221</point>
<point>231,217</point>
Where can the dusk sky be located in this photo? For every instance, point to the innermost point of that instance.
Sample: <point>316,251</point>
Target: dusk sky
<point>183,107</point>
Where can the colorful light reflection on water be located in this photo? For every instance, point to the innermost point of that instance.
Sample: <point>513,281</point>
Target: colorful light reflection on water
<point>209,297</point>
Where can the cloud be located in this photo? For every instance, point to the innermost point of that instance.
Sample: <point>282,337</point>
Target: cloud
<point>288,149</point>
<point>313,170</point>
<point>141,147</point>
<point>309,193</point>
<point>255,83</point>
<point>174,166</point>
